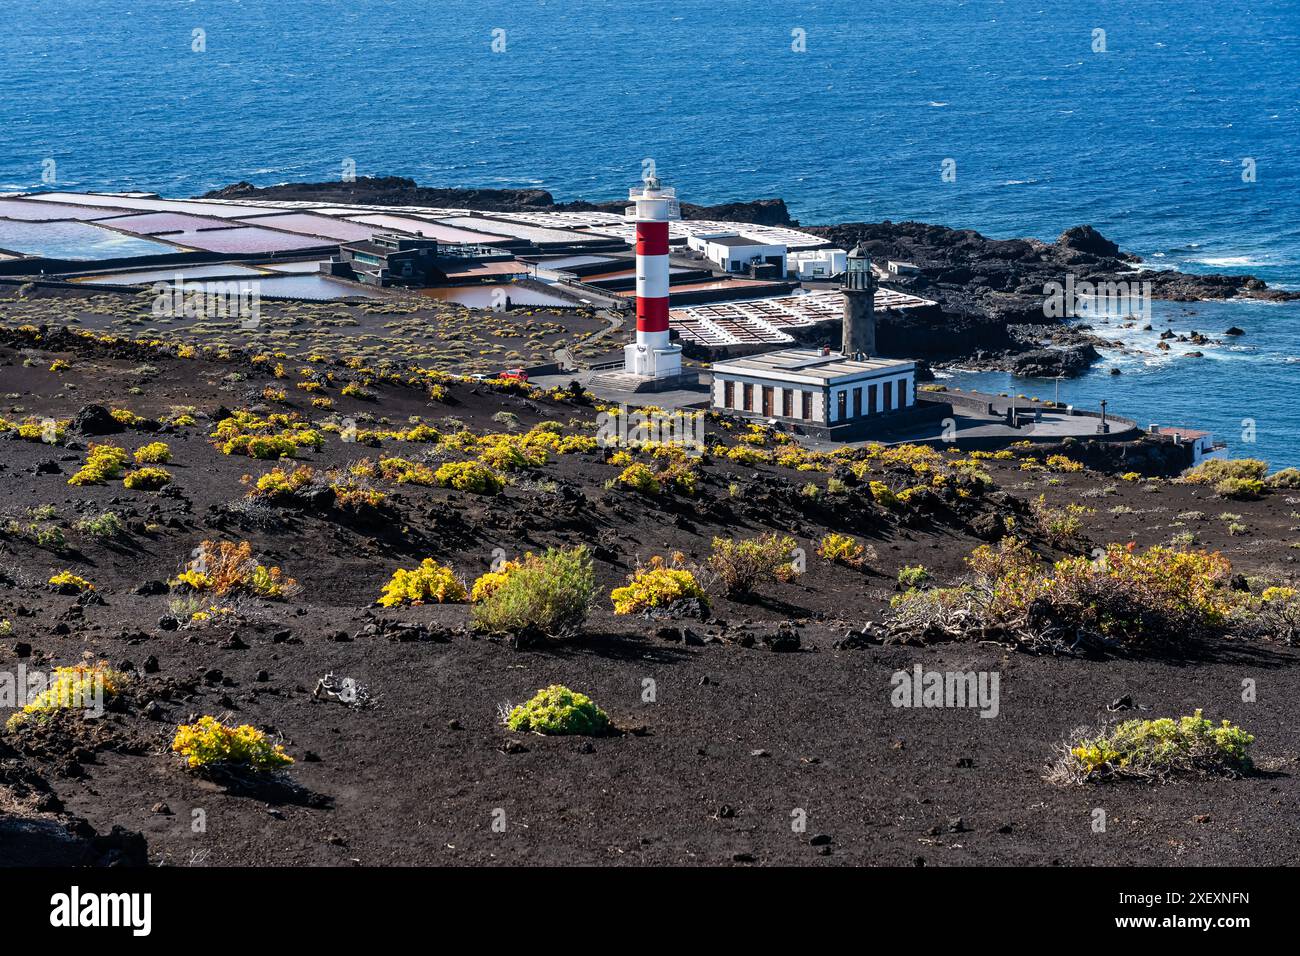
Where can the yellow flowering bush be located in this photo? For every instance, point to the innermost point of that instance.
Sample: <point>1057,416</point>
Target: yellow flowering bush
<point>154,453</point>
<point>842,549</point>
<point>486,583</point>
<point>431,581</point>
<point>405,472</point>
<point>103,463</point>
<point>1063,464</point>
<point>209,744</point>
<point>655,585</point>
<point>282,484</point>
<point>472,476</point>
<point>147,479</point>
<point>639,478</point>
<point>223,567</point>
<point>65,582</point>
<point>80,686</point>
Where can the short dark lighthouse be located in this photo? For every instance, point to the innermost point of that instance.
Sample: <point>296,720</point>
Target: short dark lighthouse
<point>859,288</point>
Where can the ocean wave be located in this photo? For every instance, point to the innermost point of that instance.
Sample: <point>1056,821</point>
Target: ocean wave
<point>1227,261</point>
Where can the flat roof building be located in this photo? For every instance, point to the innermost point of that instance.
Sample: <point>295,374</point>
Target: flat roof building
<point>820,390</point>
<point>735,253</point>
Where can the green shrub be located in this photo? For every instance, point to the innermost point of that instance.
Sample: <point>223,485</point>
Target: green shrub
<point>472,476</point>
<point>1214,470</point>
<point>1286,478</point>
<point>105,525</point>
<point>1060,526</point>
<point>558,710</point>
<point>1240,489</point>
<point>913,576</point>
<point>1127,598</point>
<point>1157,749</point>
<point>740,565</point>
<point>544,597</point>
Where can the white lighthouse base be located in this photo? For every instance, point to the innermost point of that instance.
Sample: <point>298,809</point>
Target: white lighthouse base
<point>644,361</point>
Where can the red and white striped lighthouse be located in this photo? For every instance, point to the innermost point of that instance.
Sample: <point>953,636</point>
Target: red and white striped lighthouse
<point>652,355</point>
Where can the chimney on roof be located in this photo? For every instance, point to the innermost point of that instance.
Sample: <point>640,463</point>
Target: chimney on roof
<point>858,286</point>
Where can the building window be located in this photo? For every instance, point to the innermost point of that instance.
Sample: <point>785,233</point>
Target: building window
<point>857,402</point>
<point>787,402</point>
<point>902,393</point>
<point>842,401</point>
<point>888,394</point>
<point>872,395</point>
<point>728,394</point>
<point>747,396</point>
<point>807,404</point>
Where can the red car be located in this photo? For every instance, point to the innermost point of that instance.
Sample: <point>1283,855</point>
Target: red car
<point>515,374</point>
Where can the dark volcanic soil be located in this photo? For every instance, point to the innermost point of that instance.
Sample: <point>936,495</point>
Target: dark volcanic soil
<point>737,741</point>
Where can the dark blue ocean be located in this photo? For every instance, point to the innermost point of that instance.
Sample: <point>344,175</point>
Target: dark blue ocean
<point>848,110</point>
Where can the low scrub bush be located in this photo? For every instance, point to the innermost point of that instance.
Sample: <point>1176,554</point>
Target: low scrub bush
<point>405,472</point>
<point>103,463</point>
<point>913,576</point>
<point>1062,463</point>
<point>222,567</point>
<point>1240,489</point>
<point>545,596</point>
<point>80,687</point>
<point>472,476</point>
<point>105,525</point>
<point>1286,478</point>
<point>639,478</point>
<point>741,565</point>
<point>558,710</point>
<point>658,584</point>
<point>1214,470</point>
<point>1060,526</point>
<point>1155,750</point>
<point>280,485</point>
<point>147,479</point>
<point>154,453</point>
<point>208,744</point>
<point>843,549</point>
<point>65,582</point>
<point>1126,598</point>
<point>430,582</point>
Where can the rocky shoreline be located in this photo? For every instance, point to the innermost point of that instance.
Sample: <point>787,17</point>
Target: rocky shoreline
<point>991,292</point>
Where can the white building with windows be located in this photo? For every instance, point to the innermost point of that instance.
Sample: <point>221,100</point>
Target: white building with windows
<point>815,388</point>
<point>803,264</point>
<point>732,252</point>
